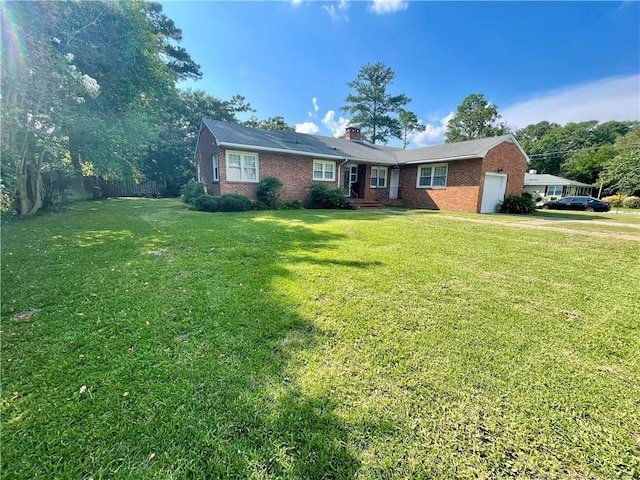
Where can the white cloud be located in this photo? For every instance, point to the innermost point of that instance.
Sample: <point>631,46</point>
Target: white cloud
<point>432,134</point>
<point>295,3</point>
<point>388,6</point>
<point>338,126</point>
<point>337,11</point>
<point>307,127</point>
<point>613,98</point>
<point>313,114</point>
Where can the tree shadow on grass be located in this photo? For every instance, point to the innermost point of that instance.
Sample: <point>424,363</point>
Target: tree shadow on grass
<point>190,358</point>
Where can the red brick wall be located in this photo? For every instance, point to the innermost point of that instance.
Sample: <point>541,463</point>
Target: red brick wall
<point>460,194</point>
<point>294,171</point>
<point>508,158</point>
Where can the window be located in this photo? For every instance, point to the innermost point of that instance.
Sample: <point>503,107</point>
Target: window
<point>432,176</point>
<point>378,177</point>
<point>324,171</point>
<point>353,174</point>
<point>554,191</point>
<point>216,173</point>
<point>242,167</point>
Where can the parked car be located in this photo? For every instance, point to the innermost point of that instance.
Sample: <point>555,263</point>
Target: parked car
<point>587,204</point>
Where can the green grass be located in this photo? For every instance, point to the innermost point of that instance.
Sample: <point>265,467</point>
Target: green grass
<point>315,344</point>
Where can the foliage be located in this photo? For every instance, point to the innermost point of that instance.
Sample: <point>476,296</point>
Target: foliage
<point>631,202</point>
<point>292,205</point>
<point>322,196</point>
<point>87,88</point>
<point>268,191</point>
<point>319,345</point>
<point>409,123</point>
<point>475,117</point>
<point>191,191</point>
<point>207,203</point>
<point>517,204</point>
<point>373,109</point>
<point>575,150</point>
<point>586,166</point>
<point>615,200</point>
<point>622,173</point>
<point>271,123</point>
<point>223,203</point>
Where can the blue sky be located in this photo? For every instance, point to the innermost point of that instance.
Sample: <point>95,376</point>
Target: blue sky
<point>555,61</point>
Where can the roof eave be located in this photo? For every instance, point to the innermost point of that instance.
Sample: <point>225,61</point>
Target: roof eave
<point>283,150</point>
<point>442,159</point>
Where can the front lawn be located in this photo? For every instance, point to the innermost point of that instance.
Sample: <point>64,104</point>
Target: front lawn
<point>144,340</point>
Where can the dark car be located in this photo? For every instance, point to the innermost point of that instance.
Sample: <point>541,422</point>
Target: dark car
<point>587,204</point>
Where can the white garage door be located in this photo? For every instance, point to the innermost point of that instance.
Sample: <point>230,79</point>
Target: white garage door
<point>495,184</point>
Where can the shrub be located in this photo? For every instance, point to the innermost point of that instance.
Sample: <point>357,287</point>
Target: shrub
<point>517,204</point>
<point>631,202</point>
<point>234,203</point>
<point>615,200</point>
<point>292,205</point>
<point>268,191</point>
<point>225,203</point>
<point>207,203</point>
<point>324,197</point>
<point>259,206</point>
<point>191,191</point>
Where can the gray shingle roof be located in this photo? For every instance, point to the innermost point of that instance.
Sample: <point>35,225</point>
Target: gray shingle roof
<point>239,136</point>
<point>546,179</point>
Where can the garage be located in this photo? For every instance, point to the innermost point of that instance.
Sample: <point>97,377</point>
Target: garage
<point>495,185</point>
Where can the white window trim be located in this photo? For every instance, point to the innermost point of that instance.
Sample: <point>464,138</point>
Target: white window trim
<point>386,176</point>
<point>242,155</point>
<point>323,163</point>
<point>215,164</point>
<point>549,194</point>
<point>433,170</point>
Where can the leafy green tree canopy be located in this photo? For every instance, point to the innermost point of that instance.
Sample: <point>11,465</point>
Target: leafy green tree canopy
<point>409,123</point>
<point>621,174</point>
<point>475,118</point>
<point>271,123</point>
<point>373,109</point>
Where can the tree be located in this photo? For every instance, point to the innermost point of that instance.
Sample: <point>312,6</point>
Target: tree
<point>409,123</point>
<point>87,90</point>
<point>621,174</point>
<point>375,110</point>
<point>574,149</point>
<point>271,123</point>
<point>475,117</point>
<point>586,165</point>
<point>169,160</point>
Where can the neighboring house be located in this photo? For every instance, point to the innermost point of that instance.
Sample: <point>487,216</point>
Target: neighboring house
<point>547,186</point>
<point>467,176</point>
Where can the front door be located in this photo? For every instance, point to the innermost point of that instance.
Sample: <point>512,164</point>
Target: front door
<point>394,183</point>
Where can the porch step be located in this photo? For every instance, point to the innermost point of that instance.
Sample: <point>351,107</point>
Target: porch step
<point>357,203</point>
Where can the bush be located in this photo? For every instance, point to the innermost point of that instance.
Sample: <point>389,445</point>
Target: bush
<point>207,203</point>
<point>191,191</point>
<point>615,200</point>
<point>517,204</point>
<point>234,203</point>
<point>324,197</point>
<point>292,205</point>
<point>268,191</point>
<point>631,202</point>
<point>225,203</point>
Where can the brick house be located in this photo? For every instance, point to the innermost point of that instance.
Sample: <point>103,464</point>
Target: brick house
<point>467,176</point>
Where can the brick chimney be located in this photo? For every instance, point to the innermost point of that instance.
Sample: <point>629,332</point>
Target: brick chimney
<point>352,133</point>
